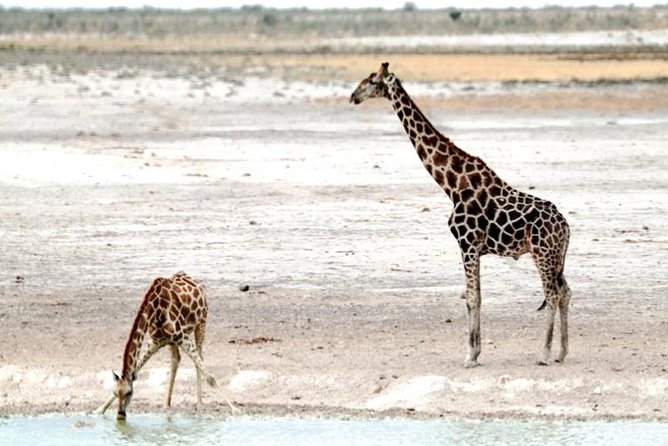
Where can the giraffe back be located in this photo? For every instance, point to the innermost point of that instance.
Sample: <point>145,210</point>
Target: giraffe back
<point>175,307</point>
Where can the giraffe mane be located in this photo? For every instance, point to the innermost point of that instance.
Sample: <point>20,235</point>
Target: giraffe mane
<point>139,319</point>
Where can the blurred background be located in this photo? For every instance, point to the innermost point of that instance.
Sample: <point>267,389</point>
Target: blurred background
<point>571,40</point>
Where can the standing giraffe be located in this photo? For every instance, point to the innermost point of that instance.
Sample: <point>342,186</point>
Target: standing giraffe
<point>172,313</point>
<point>489,216</point>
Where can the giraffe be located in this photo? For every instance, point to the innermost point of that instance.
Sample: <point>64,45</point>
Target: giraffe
<point>173,313</point>
<point>489,216</point>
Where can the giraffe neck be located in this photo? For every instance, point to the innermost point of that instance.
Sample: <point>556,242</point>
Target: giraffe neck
<point>441,157</point>
<point>136,339</point>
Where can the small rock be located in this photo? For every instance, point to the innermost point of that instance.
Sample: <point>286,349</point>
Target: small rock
<point>448,321</point>
<point>244,287</point>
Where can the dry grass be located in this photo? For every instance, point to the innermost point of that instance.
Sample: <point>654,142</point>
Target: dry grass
<point>646,99</point>
<point>482,67</point>
<point>287,56</point>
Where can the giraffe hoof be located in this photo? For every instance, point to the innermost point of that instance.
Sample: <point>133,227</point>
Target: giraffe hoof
<point>469,364</point>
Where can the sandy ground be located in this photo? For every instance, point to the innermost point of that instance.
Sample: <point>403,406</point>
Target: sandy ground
<point>323,209</point>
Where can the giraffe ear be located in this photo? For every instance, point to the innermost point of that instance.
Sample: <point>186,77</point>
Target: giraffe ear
<point>389,79</point>
<point>116,377</point>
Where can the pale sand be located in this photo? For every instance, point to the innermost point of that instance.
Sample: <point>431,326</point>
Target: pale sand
<point>323,209</point>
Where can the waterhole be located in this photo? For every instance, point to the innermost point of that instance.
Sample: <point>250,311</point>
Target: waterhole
<point>249,431</point>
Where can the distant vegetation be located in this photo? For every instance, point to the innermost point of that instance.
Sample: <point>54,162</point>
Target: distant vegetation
<point>259,21</point>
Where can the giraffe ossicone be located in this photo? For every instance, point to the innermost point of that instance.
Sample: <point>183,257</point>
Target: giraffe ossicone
<point>173,313</point>
<point>489,216</point>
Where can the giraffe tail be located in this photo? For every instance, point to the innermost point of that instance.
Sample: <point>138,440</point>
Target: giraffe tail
<point>563,288</point>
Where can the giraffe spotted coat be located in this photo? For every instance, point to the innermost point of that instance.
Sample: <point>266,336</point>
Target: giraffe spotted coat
<point>489,216</point>
<point>173,313</point>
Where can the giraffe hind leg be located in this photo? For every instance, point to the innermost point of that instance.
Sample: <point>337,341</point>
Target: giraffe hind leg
<point>549,332</point>
<point>555,288</point>
<point>563,316</point>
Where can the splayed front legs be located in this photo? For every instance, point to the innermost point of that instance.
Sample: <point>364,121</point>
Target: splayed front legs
<point>191,349</point>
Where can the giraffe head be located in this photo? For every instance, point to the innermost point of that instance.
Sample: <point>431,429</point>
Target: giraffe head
<point>123,391</point>
<point>373,86</point>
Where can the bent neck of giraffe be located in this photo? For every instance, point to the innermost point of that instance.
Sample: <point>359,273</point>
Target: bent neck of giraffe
<point>133,346</point>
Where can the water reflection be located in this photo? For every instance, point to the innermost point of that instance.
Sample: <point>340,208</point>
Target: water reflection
<point>254,431</point>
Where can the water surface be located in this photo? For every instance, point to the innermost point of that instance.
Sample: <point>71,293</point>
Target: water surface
<point>250,431</point>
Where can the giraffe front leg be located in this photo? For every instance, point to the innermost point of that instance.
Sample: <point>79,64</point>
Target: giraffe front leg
<point>103,408</point>
<point>473,307</point>
<point>151,348</point>
<point>472,296</point>
<point>189,347</point>
<point>176,358</point>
